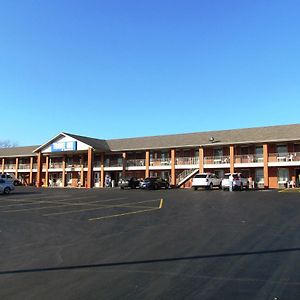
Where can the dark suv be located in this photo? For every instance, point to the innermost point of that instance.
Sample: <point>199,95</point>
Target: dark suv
<point>154,183</point>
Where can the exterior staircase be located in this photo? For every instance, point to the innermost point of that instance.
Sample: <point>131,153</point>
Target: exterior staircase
<point>185,176</point>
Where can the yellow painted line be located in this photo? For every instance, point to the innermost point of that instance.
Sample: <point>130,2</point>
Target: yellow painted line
<point>129,213</point>
<point>124,214</point>
<point>126,205</point>
<point>61,204</point>
<point>161,203</point>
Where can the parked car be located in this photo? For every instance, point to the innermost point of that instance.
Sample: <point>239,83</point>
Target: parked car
<point>130,182</point>
<point>154,183</point>
<point>6,186</point>
<point>10,178</point>
<point>206,180</point>
<point>239,181</point>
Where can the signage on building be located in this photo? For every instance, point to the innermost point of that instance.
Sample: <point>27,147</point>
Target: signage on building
<point>64,146</point>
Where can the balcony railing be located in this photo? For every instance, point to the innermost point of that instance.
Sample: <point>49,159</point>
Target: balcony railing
<point>284,157</point>
<point>113,163</point>
<point>24,166</point>
<point>9,166</point>
<point>187,160</point>
<point>135,162</point>
<point>249,158</point>
<point>217,160</point>
<point>160,162</point>
<point>55,165</point>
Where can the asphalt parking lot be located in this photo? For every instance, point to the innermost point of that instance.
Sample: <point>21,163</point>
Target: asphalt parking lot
<point>134,244</point>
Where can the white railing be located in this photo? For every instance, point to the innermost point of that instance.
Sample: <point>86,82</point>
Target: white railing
<point>55,165</point>
<point>113,163</point>
<point>135,162</point>
<point>160,162</point>
<point>187,160</point>
<point>284,157</point>
<point>217,160</point>
<point>9,166</point>
<point>184,174</point>
<point>249,158</point>
<point>24,166</point>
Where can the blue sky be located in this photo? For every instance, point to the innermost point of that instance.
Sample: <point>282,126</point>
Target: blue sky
<point>124,68</point>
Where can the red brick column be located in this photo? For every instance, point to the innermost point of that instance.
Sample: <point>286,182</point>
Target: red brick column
<point>90,169</point>
<point>266,168</point>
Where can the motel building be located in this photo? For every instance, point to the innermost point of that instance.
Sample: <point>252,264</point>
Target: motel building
<point>268,156</point>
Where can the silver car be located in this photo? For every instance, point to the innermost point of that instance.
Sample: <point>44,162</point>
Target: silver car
<point>6,186</point>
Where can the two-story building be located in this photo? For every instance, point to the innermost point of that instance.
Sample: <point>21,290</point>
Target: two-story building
<point>269,156</point>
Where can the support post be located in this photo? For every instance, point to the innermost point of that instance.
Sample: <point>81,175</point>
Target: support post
<point>266,168</point>
<point>17,167</point>
<point>147,164</point>
<point>124,164</point>
<point>39,169</point>
<point>201,160</point>
<point>64,171</point>
<point>30,174</point>
<point>90,168</point>
<point>231,152</point>
<point>3,165</point>
<point>173,172</point>
<point>102,171</point>
<point>47,172</point>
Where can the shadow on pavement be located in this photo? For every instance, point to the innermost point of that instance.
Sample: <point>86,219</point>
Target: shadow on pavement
<point>151,261</point>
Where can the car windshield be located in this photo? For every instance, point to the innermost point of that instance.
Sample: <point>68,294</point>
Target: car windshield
<point>201,176</point>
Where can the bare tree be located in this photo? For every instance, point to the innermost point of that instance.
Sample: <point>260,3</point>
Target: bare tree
<point>7,144</point>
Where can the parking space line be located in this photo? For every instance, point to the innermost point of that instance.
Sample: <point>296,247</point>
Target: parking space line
<point>58,202</point>
<point>129,213</point>
<point>124,214</point>
<point>126,205</point>
<point>62,204</point>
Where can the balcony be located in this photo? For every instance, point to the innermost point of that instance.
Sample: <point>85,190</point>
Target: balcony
<point>55,165</point>
<point>24,166</point>
<point>284,157</point>
<point>10,166</point>
<point>217,160</point>
<point>248,159</point>
<point>160,162</point>
<point>113,163</point>
<point>187,160</point>
<point>135,162</point>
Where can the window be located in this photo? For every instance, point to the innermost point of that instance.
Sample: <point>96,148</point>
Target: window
<point>282,149</point>
<point>259,176</point>
<point>259,150</point>
<point>283,175</point>
<point>218,152</point>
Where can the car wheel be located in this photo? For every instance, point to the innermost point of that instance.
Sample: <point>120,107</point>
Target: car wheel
<point>241,187</point>
<point>195,188</point>
<point>155,186</point>
<point>6,191</point>
<point>211,186</point>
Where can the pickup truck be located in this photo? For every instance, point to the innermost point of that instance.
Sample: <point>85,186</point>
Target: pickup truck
<point>239,181</point>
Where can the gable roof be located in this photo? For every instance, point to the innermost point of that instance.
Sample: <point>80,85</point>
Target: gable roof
<point>17,151</point>
<point>93,142</point>
<point>280,133</point>
<point>258,135</point>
